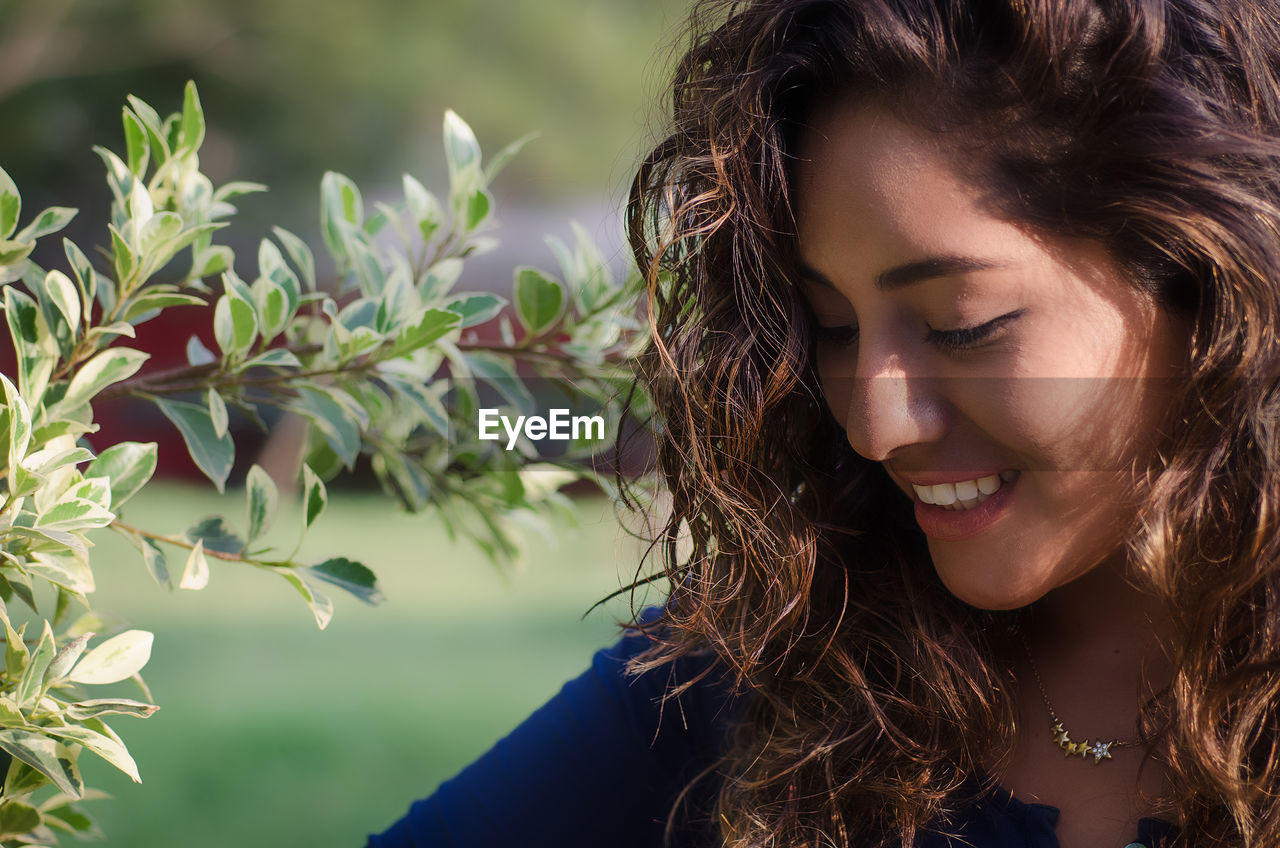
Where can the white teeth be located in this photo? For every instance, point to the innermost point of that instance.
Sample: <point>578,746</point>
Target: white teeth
<point>965,494</point>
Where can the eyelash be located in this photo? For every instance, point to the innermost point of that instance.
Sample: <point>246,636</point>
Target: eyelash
<point>960,339</point>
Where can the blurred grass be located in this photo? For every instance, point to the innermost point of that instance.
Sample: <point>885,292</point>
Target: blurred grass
<point>274,733</point>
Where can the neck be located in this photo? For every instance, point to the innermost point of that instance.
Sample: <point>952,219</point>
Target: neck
<point>1101,647</point>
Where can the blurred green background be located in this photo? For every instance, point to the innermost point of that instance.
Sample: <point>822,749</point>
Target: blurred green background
<point>292,88</point>
<point>271,732</point>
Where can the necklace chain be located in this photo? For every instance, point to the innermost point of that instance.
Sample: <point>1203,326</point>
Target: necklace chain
<point>1099,750</point>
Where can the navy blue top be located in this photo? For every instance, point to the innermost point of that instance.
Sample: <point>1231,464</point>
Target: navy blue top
<point>602,763</point>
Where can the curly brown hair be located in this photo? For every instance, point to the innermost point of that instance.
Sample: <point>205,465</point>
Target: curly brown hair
<point>1150,126</point>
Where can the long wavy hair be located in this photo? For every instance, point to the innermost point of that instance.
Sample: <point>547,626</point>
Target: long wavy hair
<point>1150,126</point>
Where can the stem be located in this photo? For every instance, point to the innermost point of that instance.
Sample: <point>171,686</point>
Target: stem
<point>181,543</point>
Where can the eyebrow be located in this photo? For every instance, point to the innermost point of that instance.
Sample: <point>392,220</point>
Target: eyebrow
<point>913,272</point>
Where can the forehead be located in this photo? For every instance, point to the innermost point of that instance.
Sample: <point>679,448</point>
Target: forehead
<point>866,180</point>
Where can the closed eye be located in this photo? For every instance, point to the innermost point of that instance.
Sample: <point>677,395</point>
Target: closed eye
<point>967,338</point>
<point>959,339</point>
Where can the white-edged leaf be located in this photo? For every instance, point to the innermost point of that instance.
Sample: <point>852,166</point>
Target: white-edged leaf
<point>213,454</point>
<point>104,746</point>
<point>314,498</point>
<point>128,465</point>
<point>116,659</point>
<point>217,412</point>
<point>110,366</point>
<point>262,502</point>
<point>321,606</point>
<point>109,706</point>
<point>196,574</point>
<point>42,754</point>
<point>352,576</point>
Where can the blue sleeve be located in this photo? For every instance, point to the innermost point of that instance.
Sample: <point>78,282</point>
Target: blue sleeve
<point>600,764</point>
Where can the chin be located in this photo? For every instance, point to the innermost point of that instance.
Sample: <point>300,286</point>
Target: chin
<point>990,592</point>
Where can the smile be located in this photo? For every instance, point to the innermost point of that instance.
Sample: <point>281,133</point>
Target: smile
<point>963,494</point>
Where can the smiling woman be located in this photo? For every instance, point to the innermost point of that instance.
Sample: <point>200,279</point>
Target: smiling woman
<point>964,350</point>
<point>980,350</point>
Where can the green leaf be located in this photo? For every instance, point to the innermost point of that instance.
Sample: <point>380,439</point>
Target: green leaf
<point>124,258</point>
<point>42,754</point>
<point>108,367</point>
<point>149,301</point>
<point>273,305</point>
<point>137,150</point>
<point>504,156</point>
<point>33,342</point>
<point>86,278</point>
<point>70,818</point>
<point>538,299</point>
<point>321,606</point>
<point>16,655</point>
<point>434,325</point>
<point>351,576</point>
<point>19,421</point>
<point>301,255</point>
<point>314,497</point>
<point>212,260</point>
<point>104,746</point>
<point>66,658</point>
<point>66,300</point>
<point>128,465</point>
<point>423,207</point>
<point>478,206</point>
<point>195,575</point>
<point>278,357</point>
<point>235,324</point>
<point>217,412</point>
<point>12,256</point>
<point>75,514</point>
<point>263,499</point>
<point>31,686</point>
<point>155,129</point>
<point>441,277</point>
<point>213,454</point>
<point>425,399</point>
<point>461,150</point>
<point>340,203</point>
<point>10,204</point>
<point>197,353</point>
<point>154,560</point>
<point>116,659</point>
<point>109,706</point>
<point>10,714</point>
<point>49,221</point>
<point>213,535</point>
<point>17,818</point>
<point>476,308</point>
<point>337,422</point>
<point>192,118</point>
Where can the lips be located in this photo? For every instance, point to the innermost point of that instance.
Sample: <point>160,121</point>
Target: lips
<point>942,523</point>
<point>964,494</point>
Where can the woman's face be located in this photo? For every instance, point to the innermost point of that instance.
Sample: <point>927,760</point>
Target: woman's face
<point>1006,381</point>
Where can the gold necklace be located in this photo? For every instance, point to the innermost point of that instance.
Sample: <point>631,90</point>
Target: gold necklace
<point>1099,750</point>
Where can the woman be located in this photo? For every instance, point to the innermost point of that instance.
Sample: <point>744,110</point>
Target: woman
<point>965,358</point>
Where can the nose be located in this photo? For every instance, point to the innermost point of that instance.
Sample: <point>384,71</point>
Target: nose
<point>891,406</point>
